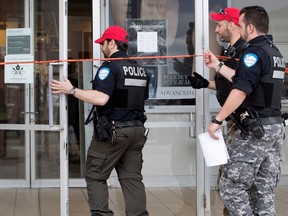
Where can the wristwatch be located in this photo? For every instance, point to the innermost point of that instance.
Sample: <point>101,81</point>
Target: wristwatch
<point>219,66</point>
<point>72,90</point>
<point>214,120</point>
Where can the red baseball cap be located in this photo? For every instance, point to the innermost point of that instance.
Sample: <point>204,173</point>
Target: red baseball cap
<point>230,14</point>
<point>114,33</point>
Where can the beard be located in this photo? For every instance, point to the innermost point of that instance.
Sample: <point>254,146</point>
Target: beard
<point>244,36</point>
<point>222,39</point>
<point>105,56</point>
<point>225,36</point>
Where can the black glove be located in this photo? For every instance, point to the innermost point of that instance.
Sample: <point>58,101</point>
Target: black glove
<point>197,81</point>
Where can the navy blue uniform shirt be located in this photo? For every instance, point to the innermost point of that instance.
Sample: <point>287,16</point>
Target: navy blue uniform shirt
<point>253,62</point>
<point>105,81</point>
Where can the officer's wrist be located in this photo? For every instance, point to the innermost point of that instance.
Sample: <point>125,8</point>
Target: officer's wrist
<point>219,66</point>
<point>215,120</point>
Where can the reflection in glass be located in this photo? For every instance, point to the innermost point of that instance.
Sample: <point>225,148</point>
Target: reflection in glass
<point>47,155</point>
<point>12,154</point>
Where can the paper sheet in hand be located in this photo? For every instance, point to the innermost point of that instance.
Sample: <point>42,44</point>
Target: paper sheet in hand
<point>214,151</point>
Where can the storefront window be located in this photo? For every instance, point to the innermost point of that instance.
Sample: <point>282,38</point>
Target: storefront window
<point>161,28</point>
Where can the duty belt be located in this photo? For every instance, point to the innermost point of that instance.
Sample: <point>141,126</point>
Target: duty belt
<point>271,120</point>
<point>132,123</point>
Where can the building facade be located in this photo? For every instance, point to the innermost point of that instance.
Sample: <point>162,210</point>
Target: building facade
<point>41,142</point>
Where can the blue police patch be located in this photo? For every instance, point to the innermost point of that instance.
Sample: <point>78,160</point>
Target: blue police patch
<point>250,59</point>
<point>103,73</point>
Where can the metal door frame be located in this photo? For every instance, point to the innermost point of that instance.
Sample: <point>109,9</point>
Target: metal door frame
<point>202,106</point>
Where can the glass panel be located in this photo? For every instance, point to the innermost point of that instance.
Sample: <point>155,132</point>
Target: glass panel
<point>12,95</point>
<point>80,47</point>
<point>14,107</point>
<point>162,28</point>
<point>48,158</point>
<point>12,98</point>
<point>12,154</point>
<point>47,155</point>
<point>46,48</point>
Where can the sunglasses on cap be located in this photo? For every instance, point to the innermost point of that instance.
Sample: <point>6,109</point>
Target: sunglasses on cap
<point>222,12</point>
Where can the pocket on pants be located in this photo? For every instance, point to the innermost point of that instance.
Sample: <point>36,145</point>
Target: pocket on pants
<point>240,169</point>
<point>94,164</point>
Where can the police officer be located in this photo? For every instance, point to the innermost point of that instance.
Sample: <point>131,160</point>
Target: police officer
<point>228,31</point>
<point>120,88</point>
<point>254,163</point>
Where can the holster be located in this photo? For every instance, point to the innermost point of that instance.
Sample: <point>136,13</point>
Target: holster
<point>253,124</point>
<point>238,123</point>
<point>102,127</point>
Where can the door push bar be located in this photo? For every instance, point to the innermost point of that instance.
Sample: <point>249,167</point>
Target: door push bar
<point>50,77</point>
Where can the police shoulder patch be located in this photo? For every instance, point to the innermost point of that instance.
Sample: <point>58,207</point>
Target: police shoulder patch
<point>103,73</point>
<point>250,59</point>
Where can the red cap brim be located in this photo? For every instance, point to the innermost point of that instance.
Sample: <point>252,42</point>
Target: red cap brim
<point>99,40</point>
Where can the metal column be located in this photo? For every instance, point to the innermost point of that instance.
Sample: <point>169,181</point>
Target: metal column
<point>63,56</point>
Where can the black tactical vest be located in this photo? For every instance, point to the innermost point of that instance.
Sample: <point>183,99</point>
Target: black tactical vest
<point>130,90</point>
<point>224,86</point>
<point>268,92</point>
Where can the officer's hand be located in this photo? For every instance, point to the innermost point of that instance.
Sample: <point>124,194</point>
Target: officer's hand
<point>62,87</point>
<point>212,128</point>
<point>211,60</point>
<point>197,81</point>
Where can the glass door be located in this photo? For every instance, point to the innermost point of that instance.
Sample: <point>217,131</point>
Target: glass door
<point>29,146</point>
<point>14,147</point>
<point>51,18</point>
<point>44,140</point>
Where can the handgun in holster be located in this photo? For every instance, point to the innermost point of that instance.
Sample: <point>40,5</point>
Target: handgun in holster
<point>102,125</point>
<point>254,124</point>
<point>238,124</point>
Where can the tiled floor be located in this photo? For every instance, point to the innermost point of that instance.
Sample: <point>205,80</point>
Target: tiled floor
<point>161,202</point>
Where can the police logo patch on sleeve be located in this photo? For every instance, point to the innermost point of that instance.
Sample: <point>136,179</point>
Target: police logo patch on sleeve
<point>250,59</point>
<point>103,73</point>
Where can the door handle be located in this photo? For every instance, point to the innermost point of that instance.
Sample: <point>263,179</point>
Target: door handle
<point>36,113</point>
<point>50,77</point>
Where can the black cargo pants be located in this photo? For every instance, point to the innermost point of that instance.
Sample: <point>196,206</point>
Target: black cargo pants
<point>126,157</point>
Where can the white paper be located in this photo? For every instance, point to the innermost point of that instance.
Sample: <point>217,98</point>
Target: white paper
<point>147,42</point>
<point>214,151</point>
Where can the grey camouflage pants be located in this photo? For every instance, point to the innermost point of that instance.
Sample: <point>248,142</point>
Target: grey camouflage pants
<point>248,180</point>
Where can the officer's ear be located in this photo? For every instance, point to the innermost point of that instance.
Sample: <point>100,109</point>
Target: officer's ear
<point>112,43</point>
<point>251,28</point>
<point>231,26</point>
